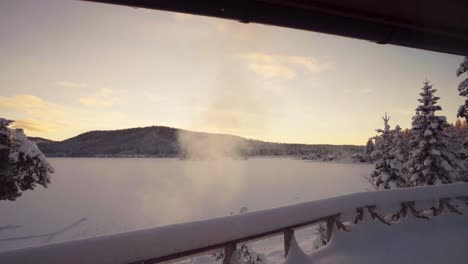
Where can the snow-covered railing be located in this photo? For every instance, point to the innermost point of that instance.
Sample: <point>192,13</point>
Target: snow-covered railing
<point>174,242</point>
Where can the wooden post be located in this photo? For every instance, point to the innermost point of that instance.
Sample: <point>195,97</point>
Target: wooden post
<point>287,235</point>
<point>228,251</point>
<point>330,224</point>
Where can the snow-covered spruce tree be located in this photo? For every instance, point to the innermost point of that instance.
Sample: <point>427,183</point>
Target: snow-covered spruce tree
<point>457,140</point>
<point>388,172</point>
<point>400,149</point>
<point>463,110</point>
<point>431,160</point>
<point>22,164</point>
<point>369,149</point>
<point>463,89</point>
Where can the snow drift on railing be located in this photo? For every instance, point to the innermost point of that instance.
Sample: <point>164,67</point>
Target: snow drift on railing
<point>161,241</point>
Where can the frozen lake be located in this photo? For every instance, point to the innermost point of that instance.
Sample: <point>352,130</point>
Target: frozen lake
<point>101,196</point>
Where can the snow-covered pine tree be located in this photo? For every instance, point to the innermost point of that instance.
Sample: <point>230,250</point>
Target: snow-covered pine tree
<point>400,151</point>
<point>369,149</point>
<point>456,137</point>
<point>463,89</point>
<point>4,146</point>
<point>463,112</point>
<point>431,160</point>
<point>22,164</point>
<point>388,172</point>
<point>244,255</point>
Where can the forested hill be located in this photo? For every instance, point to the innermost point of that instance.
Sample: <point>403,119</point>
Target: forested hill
<point>171,142</point>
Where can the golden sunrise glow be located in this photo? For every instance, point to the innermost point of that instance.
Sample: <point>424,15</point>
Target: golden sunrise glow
<point>77,70</point>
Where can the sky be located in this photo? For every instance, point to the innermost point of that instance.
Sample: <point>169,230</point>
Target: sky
<point>68,67</point>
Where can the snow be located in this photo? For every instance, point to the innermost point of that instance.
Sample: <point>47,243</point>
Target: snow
<point>429,140</point>
<point>427,161</point>
<point>5,122</point>
<point>390,157</point>
<point>439,240</point>
<point>120,195</point>
<point>428,133</point>
<point>446,165</point>
<point>463,89</point>
<point>296,255</point>
<point>463,67</point>
<point>24,165</point>
<point>392,185</point>
<point>160,241</point>
<point>27,148</point>
<point>385,177</point>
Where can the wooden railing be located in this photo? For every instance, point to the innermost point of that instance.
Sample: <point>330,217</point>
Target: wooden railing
<point>331,221</point>
<point>176,242</point>
<point>230,247</point>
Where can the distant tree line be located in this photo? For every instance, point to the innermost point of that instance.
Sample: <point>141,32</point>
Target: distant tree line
<point>159,141</point>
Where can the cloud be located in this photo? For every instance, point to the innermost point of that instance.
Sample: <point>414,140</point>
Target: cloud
<point>282,67</point>
<point>153,97</point>
<point>71,84</point>
<point>24,102</point>
<point>273,87</point>
<point>31,125</point>
<point>41,116</point>
<point>104,98</point>
<point>311,64</point>
<point>272,70</point>
<point>58,121</point>
<point>358,90</point>
<point>28,124</point>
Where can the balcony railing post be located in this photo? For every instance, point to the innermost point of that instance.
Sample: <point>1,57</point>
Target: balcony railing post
<point>288,235</point>
<point>330,224</point>
<point>228,251</point>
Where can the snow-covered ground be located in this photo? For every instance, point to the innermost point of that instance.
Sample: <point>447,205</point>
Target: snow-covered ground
<point>442,239</point>
<point>91,197</point>
<point>445,233</point>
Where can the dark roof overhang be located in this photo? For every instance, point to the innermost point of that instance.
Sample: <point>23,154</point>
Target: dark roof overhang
<point>440,26</point>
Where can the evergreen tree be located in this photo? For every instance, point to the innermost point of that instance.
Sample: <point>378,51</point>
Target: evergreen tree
<point>400,150</point>
<point>463,89</point>
<point>369,148</point>
<point>22,164</point>
<point>388,172</point>
<point>431,160</point>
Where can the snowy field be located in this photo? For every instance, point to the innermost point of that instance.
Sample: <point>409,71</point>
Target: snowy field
<point>90,197</point>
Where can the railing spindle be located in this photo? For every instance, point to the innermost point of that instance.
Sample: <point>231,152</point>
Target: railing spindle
<point>330,224</point>
<point>228,251</point>
<point>288,234</point>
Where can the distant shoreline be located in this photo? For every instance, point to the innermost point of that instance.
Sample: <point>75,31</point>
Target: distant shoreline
<point>338,161</point>
<point>167,142</point>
